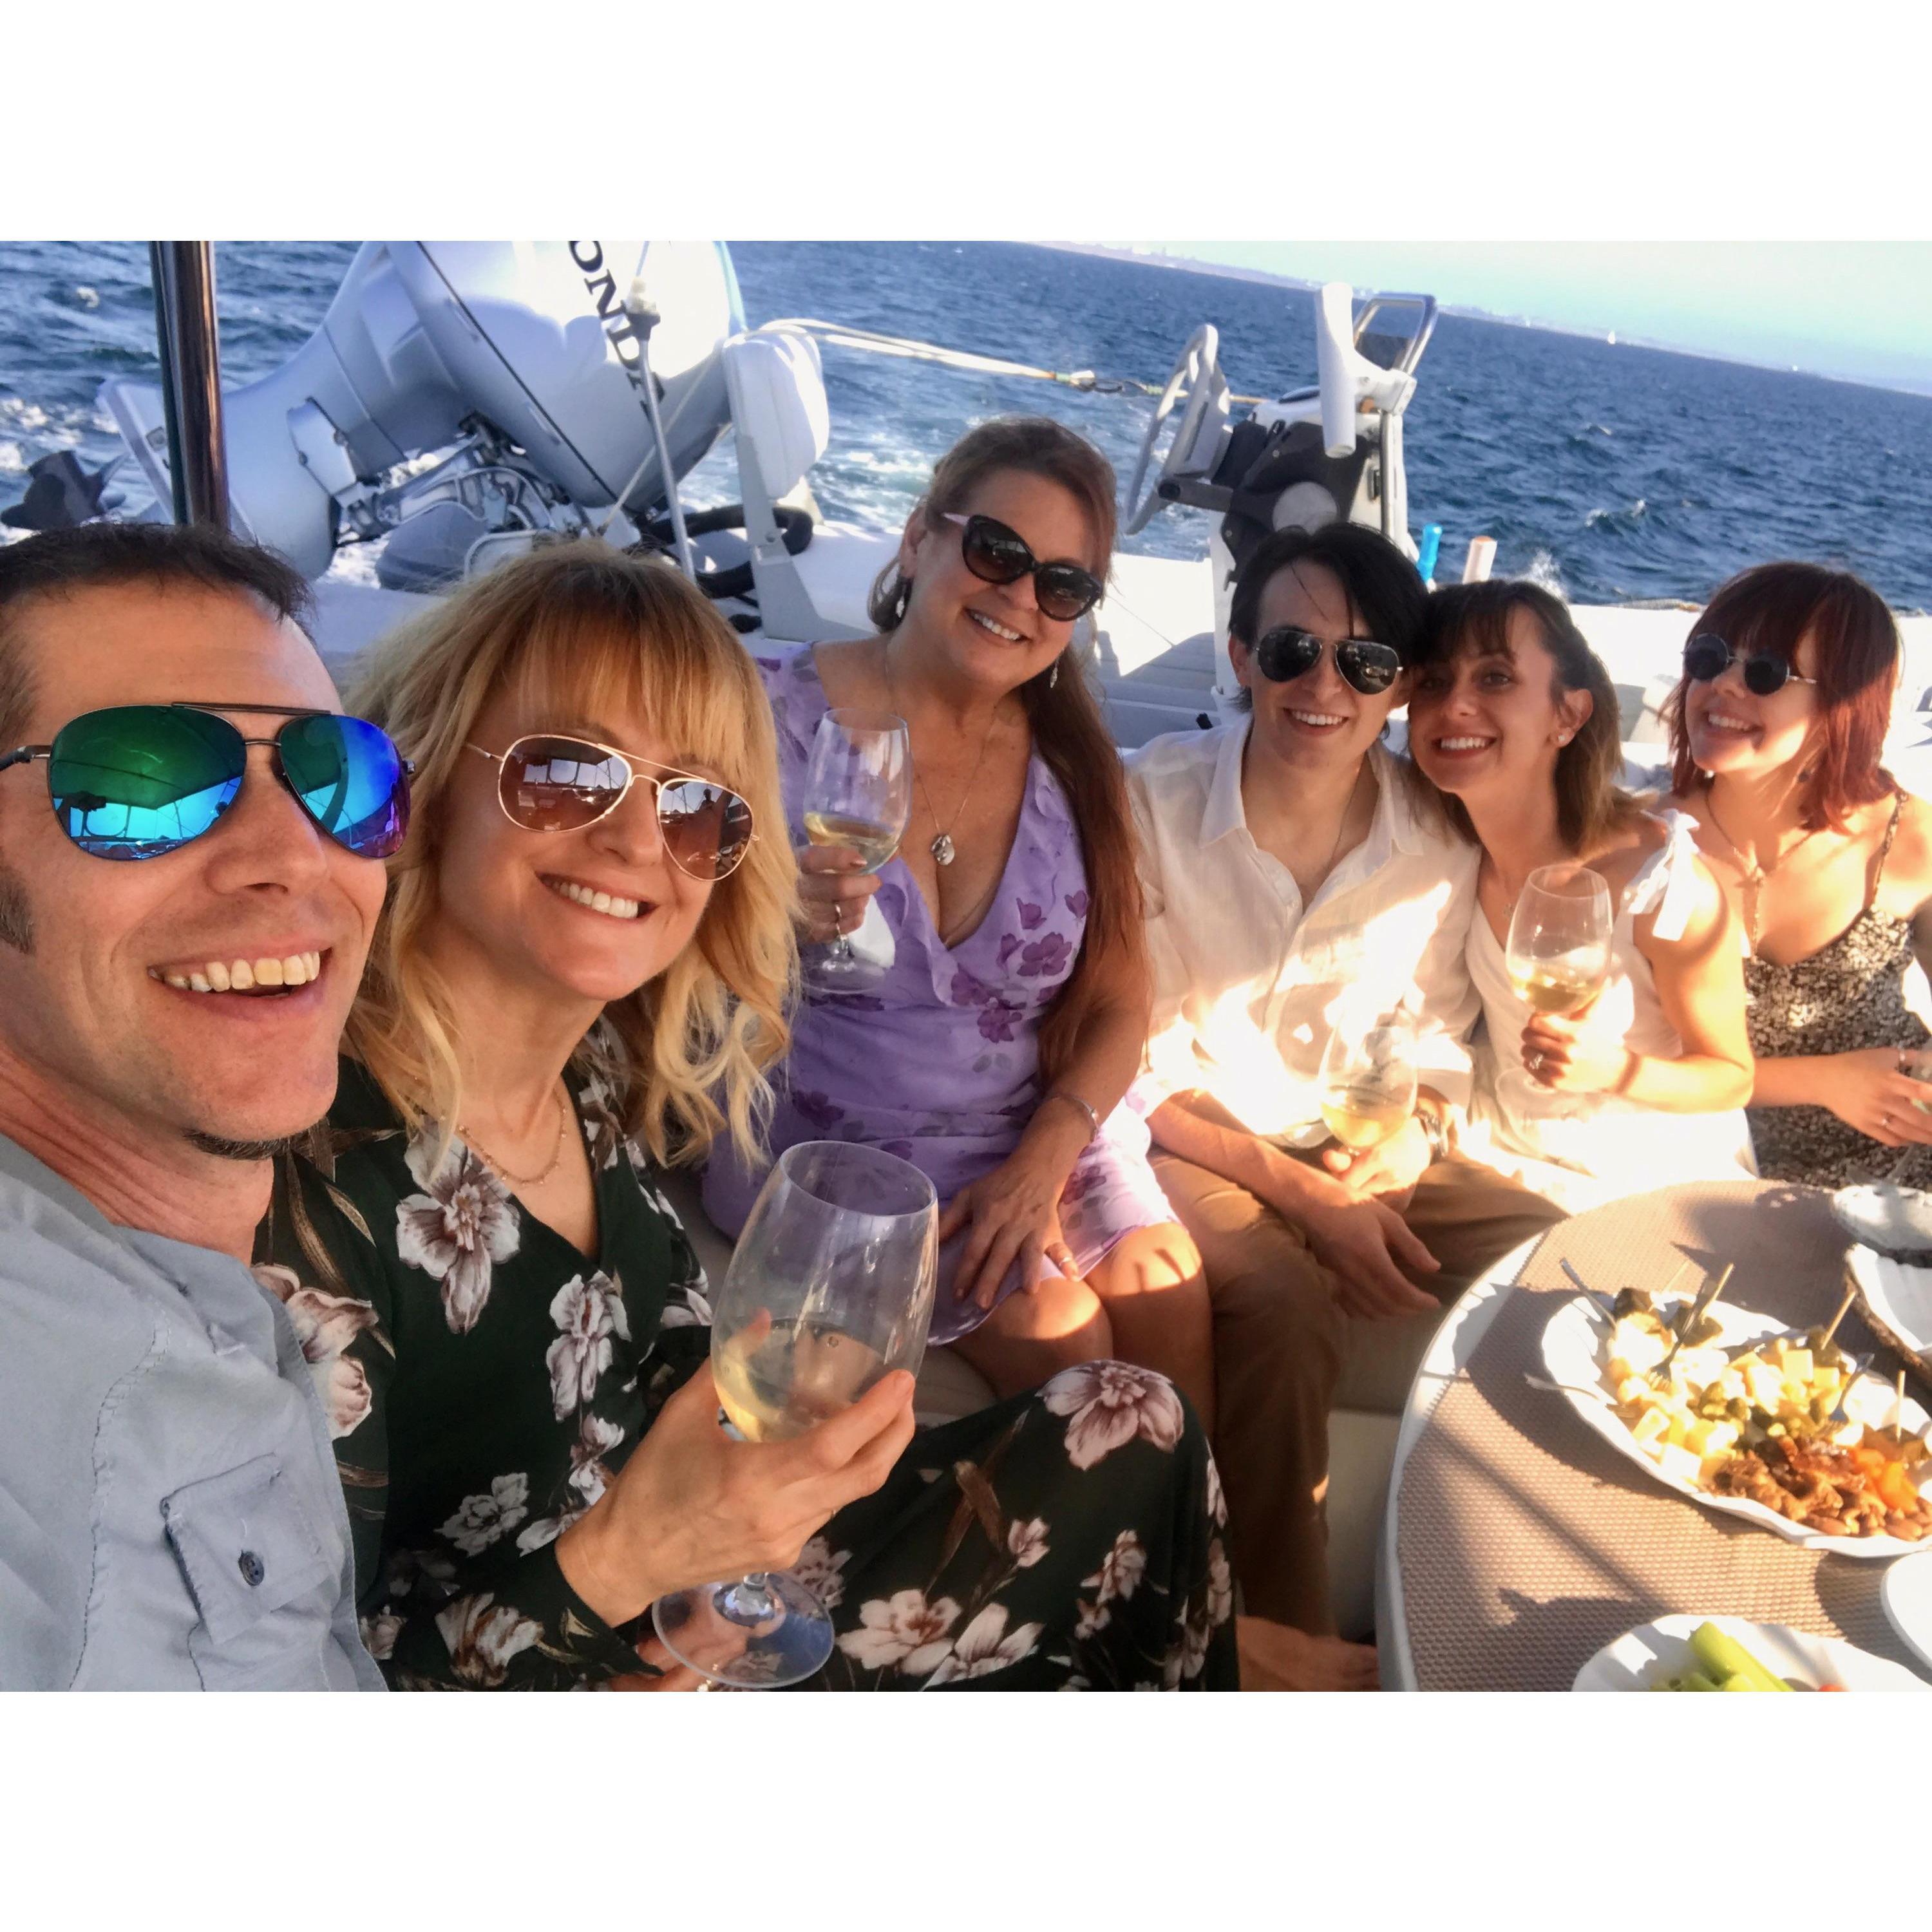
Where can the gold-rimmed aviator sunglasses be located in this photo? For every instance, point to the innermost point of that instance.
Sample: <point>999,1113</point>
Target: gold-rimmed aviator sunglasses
<point>550,781</point>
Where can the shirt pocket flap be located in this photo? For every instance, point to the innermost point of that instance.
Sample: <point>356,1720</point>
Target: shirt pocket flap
<point>245,1543</point>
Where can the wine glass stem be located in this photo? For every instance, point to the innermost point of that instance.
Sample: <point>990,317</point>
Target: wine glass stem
<point>748,1601</point>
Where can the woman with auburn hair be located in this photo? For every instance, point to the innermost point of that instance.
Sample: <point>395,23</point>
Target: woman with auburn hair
<point>1514,719</point>
<point>1777,729</point>
<point>582,972</point>
<point>997,1051</point>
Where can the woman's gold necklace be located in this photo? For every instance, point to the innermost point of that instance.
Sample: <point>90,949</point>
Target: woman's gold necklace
<point>491,1161</point>
<point>1752,874</point>
<point>942,847</point>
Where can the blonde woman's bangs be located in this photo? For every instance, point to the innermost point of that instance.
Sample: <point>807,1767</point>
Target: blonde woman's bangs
<point>697,692</point>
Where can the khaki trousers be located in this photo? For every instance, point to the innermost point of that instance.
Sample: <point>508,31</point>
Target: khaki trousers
<point>1280,1343</point>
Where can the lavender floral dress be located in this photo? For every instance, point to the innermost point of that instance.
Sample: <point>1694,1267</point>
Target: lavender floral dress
<point>941,1066</point>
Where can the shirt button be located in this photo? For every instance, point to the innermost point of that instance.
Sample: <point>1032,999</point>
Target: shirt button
<point>252,1568</point>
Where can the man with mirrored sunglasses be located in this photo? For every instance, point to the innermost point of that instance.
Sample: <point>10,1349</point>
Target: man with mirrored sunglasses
<point>1298,884</point>
<point>191,840</point>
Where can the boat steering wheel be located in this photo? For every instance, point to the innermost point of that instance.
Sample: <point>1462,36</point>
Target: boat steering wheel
<point>1190,388</point>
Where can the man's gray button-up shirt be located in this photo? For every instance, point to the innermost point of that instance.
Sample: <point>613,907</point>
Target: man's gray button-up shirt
<point>170,1513</point>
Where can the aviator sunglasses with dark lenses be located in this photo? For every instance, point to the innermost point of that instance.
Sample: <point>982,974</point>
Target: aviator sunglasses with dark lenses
<point>545,783</point>
<point>995,554</point>
<point>1289,651</point>
<point>139,780</point>
<point>1706,656</point>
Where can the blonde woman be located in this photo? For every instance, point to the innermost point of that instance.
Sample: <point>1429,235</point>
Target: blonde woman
<point>582,972</point>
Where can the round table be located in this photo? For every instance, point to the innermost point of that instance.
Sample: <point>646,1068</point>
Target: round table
<point>1517,1543</point>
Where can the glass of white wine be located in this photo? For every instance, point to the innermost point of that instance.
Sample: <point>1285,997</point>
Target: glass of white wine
<point>1559,938</point>
<point>830,1288</point>
<point>858,793</point>
<point>1368,1079</point>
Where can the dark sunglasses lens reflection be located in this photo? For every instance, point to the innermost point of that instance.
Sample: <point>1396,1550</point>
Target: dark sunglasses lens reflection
<point>1289,653</point>
<point>560,784</point>
<point>139,780</point>
<point>995,554</point>
<point>348,776</point>
<point>706,829</point>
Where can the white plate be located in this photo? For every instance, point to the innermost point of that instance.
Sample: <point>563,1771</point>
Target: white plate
<point>1576,1349</point>
<point>1896,1221</point>
<point>1642,1656</point>
<point>1899,1294</point>
<point>1907,1595</point>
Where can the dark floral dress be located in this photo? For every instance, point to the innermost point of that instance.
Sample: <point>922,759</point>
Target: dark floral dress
<point>485,1380</point>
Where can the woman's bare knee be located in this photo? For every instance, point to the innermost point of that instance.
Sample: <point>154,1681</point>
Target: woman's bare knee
<point>1150,1261</point>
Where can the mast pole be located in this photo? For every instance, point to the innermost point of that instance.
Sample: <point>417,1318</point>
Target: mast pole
<point>183,278</point>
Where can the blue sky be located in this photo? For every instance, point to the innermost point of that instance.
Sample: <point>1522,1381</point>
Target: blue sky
<point>1857,309</point>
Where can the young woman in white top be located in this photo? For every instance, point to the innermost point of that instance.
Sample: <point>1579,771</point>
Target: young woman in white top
<point>1513,718</point>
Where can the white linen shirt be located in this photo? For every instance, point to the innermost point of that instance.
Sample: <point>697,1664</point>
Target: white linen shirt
<point>1248,982</point>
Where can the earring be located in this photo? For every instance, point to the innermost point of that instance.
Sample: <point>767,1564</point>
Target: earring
<point>1053,676</point>
<point>1563,737</point>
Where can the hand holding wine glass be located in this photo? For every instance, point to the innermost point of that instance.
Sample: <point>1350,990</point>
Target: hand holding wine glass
<point>858,797</point>
<point>827,1299</point>
<point>1559,938</point>
<point>693,1503</point>
<point>1559,954</point>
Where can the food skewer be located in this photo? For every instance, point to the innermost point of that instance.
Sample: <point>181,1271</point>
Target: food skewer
<point>1698,1309</point>
<point>1824,1340</point>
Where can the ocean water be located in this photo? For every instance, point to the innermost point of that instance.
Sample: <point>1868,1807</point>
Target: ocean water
<point>1612,473</point>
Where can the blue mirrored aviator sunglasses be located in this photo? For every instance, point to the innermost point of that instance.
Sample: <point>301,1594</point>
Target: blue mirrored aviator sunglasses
<point>139,780</point>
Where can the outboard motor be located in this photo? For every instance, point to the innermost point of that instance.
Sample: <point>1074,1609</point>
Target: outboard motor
<point>1333,452</point>
<point>524,364</point>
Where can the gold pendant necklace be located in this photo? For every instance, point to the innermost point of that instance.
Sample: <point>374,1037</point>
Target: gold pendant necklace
<point>941,847</point>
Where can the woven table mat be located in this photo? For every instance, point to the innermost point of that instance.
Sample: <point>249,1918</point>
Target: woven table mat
<point>1526,1543</point>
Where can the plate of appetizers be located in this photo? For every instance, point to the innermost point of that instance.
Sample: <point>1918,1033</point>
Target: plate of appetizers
<point>1752,1419</point>
<point>1694,1653</point>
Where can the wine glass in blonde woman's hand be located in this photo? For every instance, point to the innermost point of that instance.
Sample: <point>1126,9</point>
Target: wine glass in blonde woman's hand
<point>830,1289</point>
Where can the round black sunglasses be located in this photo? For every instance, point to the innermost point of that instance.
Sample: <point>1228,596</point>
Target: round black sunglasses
<point>1707,655</point>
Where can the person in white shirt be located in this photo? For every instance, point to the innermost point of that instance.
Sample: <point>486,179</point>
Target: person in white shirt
<point>1514,719</point>
<point>1297,878</point>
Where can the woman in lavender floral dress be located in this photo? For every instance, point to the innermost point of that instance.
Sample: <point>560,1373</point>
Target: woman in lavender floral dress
<point>997,1052</point>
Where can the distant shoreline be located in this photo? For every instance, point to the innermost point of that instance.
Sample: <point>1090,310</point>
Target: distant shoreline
<point>1193,265</point>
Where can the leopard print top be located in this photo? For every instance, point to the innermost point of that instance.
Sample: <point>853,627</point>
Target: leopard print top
<point>1849,994</point>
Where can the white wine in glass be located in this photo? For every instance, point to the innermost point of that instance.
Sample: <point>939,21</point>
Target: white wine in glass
<point>1559,938</point>
<point>874,844</point>
<point>1368,1079</point>
<point>830,1288</point>
<point>858,793</point>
